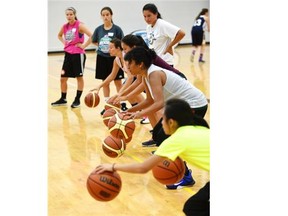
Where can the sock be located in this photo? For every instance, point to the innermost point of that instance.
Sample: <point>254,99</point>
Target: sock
<point>78,95</point>
<point>186,169</point>
<point>201,56</point>
<point>63,95</point>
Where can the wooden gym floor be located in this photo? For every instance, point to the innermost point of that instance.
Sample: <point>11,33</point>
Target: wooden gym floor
<point>74,149</point>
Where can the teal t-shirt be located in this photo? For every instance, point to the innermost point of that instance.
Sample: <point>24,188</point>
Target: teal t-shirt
<point>191,143</point>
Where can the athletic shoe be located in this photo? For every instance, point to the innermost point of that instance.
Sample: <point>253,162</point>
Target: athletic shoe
<point>102,112</point>
<point>75,104</point>
<point>201,61</point>
<point>60,102</point>
<point>149,143</point>
<point>187,181</point>
<point>123,107</point>
<point>192,58</point>
<point>145,120</point>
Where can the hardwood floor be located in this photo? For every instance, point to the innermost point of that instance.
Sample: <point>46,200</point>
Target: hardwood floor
<point>75,148</point>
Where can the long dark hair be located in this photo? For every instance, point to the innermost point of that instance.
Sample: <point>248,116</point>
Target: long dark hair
<point>202,12</point>
<point>139,54</point>
<point>134,40</point>
<point>108,9</point>
<point>117,43</point>
<point>180,111</point>
<point>153,9</point>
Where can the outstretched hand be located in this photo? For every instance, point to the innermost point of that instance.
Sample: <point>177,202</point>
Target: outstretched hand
<point>103,167</point>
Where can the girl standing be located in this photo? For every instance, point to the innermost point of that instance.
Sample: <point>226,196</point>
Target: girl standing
<point>102,36</point>
<point>71,35</point>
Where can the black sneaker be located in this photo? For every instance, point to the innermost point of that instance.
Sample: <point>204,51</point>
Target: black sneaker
<point>60,102</point>
<point>75,104</point>
<point>149,143</point>
<point>102,112</point>
<point>123,107</point>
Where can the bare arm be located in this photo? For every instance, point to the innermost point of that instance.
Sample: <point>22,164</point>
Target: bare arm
<point>156,79</point>
<point>143,167</point>
<point>180,34</point>
<point>208,23</point>
<point>143,104</point>
<point>60,36</point>
<point>84,30</point>
<point>110,78</point>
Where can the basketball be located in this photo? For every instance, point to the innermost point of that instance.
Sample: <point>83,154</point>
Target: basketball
<point>168,171</point>
<point>108,114</point>
<point>113,147</point>
<point>105,186</point>
<point>109,105</point>
<point>120,126</point>
<point>92,99</point>
<point>128,139</point>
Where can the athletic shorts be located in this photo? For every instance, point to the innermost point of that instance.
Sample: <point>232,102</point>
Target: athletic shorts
<point>73,65</point>
<point>104,67</point>
<point>197,37</point>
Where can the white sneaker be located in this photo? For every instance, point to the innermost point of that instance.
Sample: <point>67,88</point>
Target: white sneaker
<point>145,120</point>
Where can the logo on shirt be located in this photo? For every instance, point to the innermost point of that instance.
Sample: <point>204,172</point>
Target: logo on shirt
<point>151,38</point>
<point>70,35</point>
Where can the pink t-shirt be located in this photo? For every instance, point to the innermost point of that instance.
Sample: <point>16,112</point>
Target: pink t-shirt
<point>72,36</point>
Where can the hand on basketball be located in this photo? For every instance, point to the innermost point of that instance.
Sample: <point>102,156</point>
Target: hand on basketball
<point>97,89</point>
<point>133,115</point>
<point>118,98</point>
<point>103,167</point>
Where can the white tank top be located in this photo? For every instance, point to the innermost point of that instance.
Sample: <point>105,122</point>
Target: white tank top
<point>177,87</point>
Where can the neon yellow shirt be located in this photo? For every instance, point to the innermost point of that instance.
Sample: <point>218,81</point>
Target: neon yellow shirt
<point>191,143</point>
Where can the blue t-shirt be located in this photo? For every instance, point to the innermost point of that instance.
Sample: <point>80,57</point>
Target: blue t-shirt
<point>103,38</point>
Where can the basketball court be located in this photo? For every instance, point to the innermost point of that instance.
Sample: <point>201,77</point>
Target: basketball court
<point>75,148</point>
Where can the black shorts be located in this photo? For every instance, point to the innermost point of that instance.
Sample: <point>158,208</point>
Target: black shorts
<point>73,65</point>
<point>104,67</point>
<point>197,37</point>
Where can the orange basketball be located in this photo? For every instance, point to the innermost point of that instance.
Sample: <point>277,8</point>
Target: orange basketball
<point>120,126</point>
<point>108,114</point>
<point>105,186</point>
<point>113,147</point>
<point>92,99</point>
<point>128,139</point>
<point>109,105</point>
<point>168,171</point>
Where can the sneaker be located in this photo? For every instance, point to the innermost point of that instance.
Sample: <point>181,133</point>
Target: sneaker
<point>201,61</point>
<point>192,58</point>
<point>149,143</point>
<point>145,120</point>
<point>75,104</point>
<point>123,107</point>
<point>102,112</point>
<point>60,102</point>
<point>187,181</point>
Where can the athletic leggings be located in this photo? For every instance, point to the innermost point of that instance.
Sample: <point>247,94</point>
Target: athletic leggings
<point>199,204</point>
